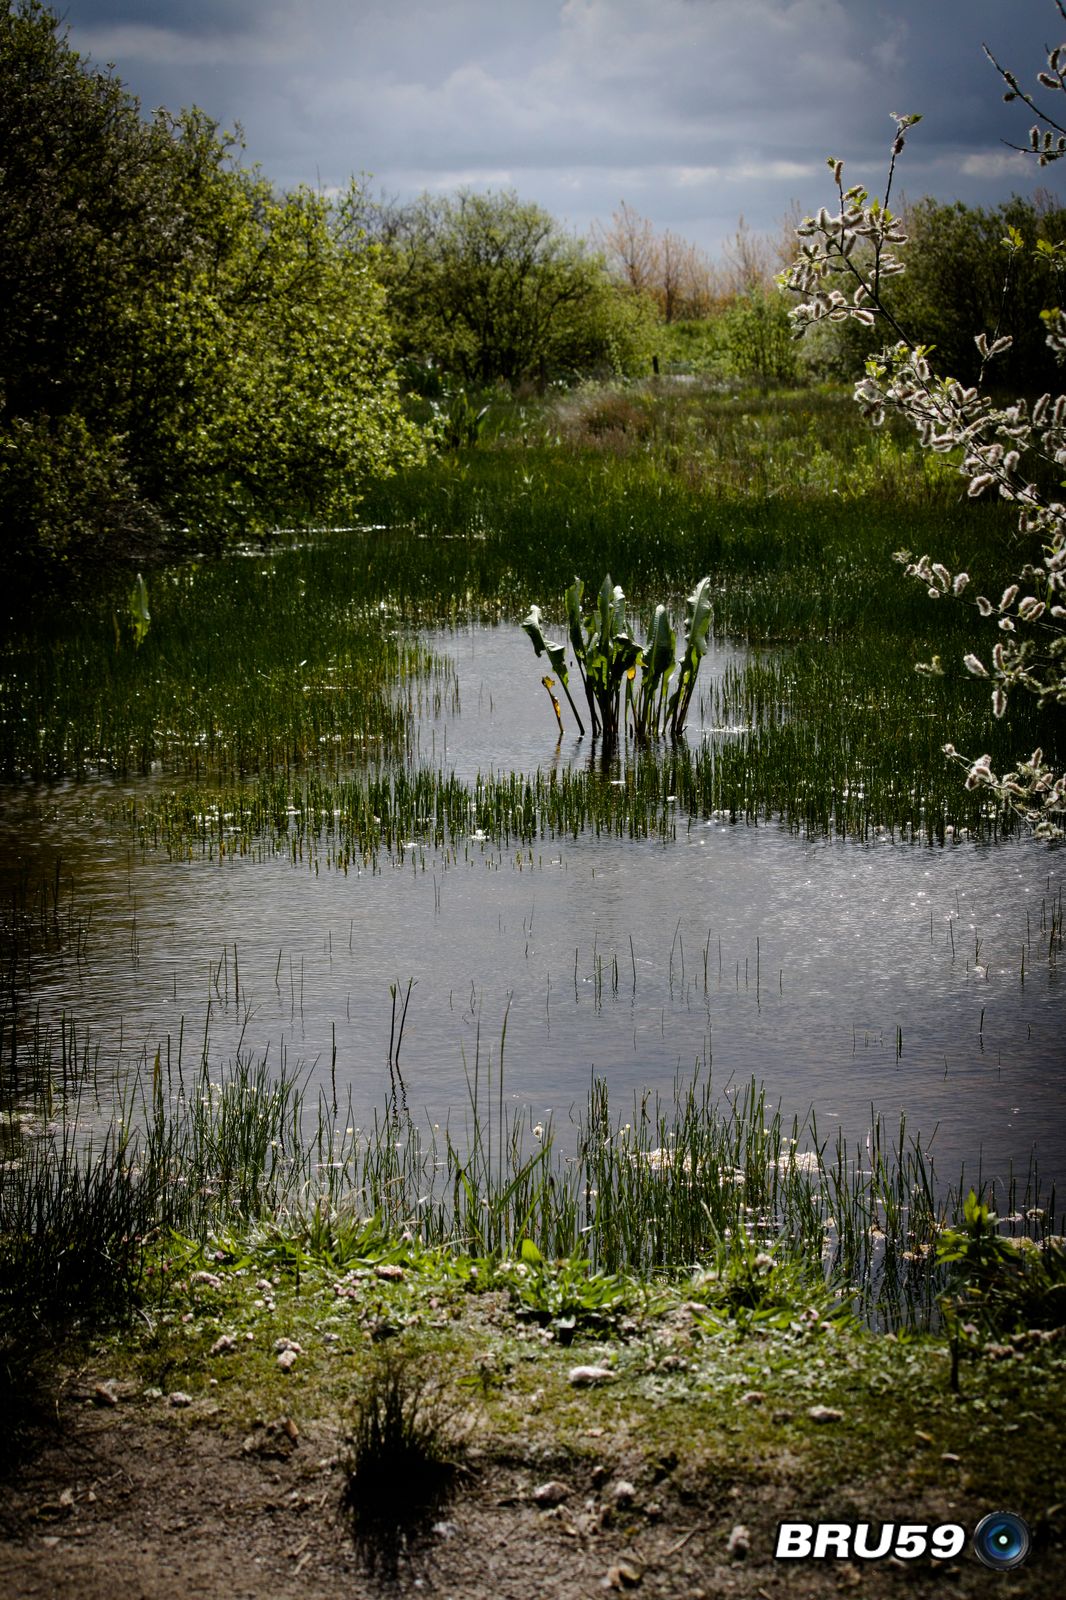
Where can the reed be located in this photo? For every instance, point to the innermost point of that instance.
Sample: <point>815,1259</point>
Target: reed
<point>815,740</point>
<point>257,662</point>
<point>673,1186</point>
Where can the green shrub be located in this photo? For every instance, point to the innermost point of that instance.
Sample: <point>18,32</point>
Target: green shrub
<point>180,345</point>
<point>998,1283</point>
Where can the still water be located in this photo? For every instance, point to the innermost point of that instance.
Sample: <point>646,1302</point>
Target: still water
<point>855,978</point>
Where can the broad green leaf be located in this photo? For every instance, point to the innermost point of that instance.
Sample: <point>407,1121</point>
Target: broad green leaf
<point>660,650</point>
<point>573,618</point>
<point>605,611</point>
<point>698,612</point>
<point>556,653</point>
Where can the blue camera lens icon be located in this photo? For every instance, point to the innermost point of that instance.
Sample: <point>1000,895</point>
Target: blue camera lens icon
<point>1002,1540</point>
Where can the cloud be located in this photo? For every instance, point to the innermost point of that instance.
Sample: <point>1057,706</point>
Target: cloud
<point>133,43</point>
<point>996,164</point>
<point>755,173</point>
<point>462,178</point>
<point>698,108</point>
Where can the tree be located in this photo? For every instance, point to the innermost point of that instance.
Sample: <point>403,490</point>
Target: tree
<point>266,386</point>
<point>957,279</point>
<point>180,347</point>
<point>79,176</point>
<point>1015,450</point>
<point>489,287</point>
<point>758,338</point>
<point>751,261</point>
<point>668,269</point>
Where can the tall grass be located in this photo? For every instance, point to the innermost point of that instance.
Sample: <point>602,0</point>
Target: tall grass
<point>73,1221</point>
<point>254,662</point>
<point>864,764</point>
<point>661,1188</point>
<point>301,668</point>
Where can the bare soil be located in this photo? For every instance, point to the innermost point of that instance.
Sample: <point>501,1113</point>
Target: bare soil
<point>154,1506</point>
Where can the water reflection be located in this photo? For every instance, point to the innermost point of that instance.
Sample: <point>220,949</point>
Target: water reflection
<point>855,978</point>
<point>500,720</point>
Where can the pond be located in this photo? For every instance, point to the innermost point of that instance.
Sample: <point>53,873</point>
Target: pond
<point>863,979</point>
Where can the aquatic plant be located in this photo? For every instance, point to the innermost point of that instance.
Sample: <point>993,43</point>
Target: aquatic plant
<point>457,420</point>
<point>608,656</point>
<point>998,1282</point>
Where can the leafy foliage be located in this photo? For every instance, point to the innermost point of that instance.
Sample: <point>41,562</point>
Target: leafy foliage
<point>489,287</point>
<point>566,1295</point>
<point>181,346</point>
<point>958,279</point>
<point>999,1282</point>
<point>758,337</point>
<point>608,656</point>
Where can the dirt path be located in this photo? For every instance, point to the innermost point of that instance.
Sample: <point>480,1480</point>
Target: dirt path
<point>119,1503</point>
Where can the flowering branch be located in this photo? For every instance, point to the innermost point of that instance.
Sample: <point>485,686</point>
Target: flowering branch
<point>1002,449</point>
<point>1043,143</point>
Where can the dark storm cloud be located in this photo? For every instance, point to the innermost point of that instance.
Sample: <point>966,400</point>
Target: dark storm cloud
<point>693,110</point>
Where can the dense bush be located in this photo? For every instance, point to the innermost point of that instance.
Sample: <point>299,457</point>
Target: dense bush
<point>180,345</point>
<point>961,280</point>
<point>490,288</point>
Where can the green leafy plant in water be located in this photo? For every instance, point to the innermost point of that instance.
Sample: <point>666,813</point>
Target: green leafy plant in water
<point>697,642</point>
<point>608,656</point>
<point>458,421</point>
<point>658,658</point>
<point>138,614</point>
<point>556,654</point>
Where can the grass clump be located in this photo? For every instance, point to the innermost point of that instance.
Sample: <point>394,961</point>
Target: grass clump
<point>699,1182</point>
<point>402,1451</point>
<point>73,1226</point>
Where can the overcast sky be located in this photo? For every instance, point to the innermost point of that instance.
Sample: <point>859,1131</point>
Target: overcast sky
<point>693,111</point>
